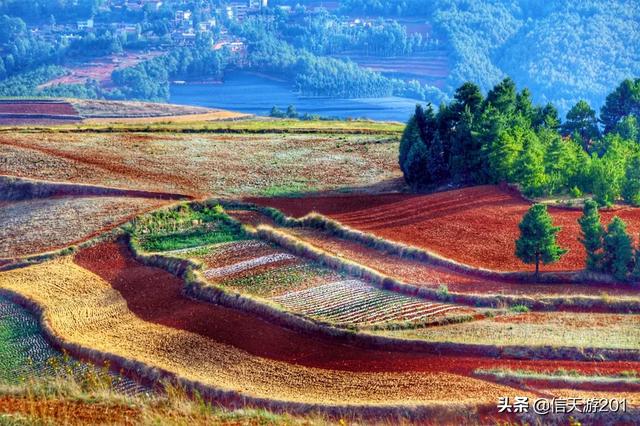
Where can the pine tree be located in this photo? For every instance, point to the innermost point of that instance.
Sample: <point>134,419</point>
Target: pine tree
<point>631,185</point>
<point>582,122</point>
<point>437,167</point>
<point>591,235</point>
<point>530,167</point>
<point>618,251</point>
<point>465,154</point>
<point>537,242</point>
<point>504,153</point>
<point>503,96</point>
<point>417,166</point>
<point>409,136</point>
<point>561,163</point>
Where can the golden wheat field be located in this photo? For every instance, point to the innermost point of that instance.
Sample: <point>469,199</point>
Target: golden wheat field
<point>83,309</point>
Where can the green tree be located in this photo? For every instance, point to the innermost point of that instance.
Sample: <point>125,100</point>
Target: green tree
<point>410,134</point>
<point>591,234</point>
<point>560,161</point>
<point>530,166</point>
<point>437,167</point>
<point>504,153</point>
<point>582,121</point>
<point>623,101</point>
<point>524,105</point>
<point>503,96</point>
<point>546,118</point>
<point>629,128</point>
<point>465,159</point>
<point>468,96</point>
<point>631,185</point>
<point>618,251</point>
<point>538,238</point>
<point>417,166</point>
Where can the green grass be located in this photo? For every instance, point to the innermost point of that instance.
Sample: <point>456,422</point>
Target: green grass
<point>221,234</point>
<point>293,190</point>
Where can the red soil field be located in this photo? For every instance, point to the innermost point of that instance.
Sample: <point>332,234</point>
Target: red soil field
<point>476,226</point>
<point>48,108</point>
<point>155,296</point>
<point>421,274</point>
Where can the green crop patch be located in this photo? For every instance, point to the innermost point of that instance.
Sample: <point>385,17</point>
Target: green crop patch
<point>183,227</point>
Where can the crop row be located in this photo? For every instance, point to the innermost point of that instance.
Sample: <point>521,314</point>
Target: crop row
<point>247,264</point>
<point>356,302</point>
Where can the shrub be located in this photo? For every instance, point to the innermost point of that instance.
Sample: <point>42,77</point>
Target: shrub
<point>519,308</point>
<point>443,293</point>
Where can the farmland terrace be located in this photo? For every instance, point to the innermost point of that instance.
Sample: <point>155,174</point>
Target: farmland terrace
<point>255,308</point>
<point>477,226</point>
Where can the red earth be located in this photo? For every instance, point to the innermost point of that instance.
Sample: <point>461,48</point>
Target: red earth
<point>477,226</point>
<point>154,295</point>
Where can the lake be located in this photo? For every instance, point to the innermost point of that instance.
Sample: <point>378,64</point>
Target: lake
<point>254,94</point>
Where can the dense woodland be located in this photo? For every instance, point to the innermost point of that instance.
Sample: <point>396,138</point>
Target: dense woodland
<point>504,137</point>
<point>562,50</point>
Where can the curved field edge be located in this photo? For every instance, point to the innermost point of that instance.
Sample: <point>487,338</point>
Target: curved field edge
<point>235,399</point>
<point>197,286</point>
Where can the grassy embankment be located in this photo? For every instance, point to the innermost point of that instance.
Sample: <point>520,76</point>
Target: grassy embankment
<point>221,126</point>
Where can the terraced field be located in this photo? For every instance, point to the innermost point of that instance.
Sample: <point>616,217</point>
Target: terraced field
<point>263,269</point>
<point>539,329</point>
<point>41,225</point>
<point>404,352</point>
<point>426,275</point>
<point>477,226</point>
<point>26,355</point>
<point>356,302</point>
<point>218,164</point>
<point>215,346</point>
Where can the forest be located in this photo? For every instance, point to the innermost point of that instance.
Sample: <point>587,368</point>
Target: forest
<point>563,51</point>
<point>505,137</point>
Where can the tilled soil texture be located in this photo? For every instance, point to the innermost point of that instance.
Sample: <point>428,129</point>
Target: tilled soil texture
<point>203,164</point>
<point>155,296</point>
<point>41,225</point>
<point>421,274</point>
<point>68,412</point>
<point>477,226</point>
<point>139,313</point>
